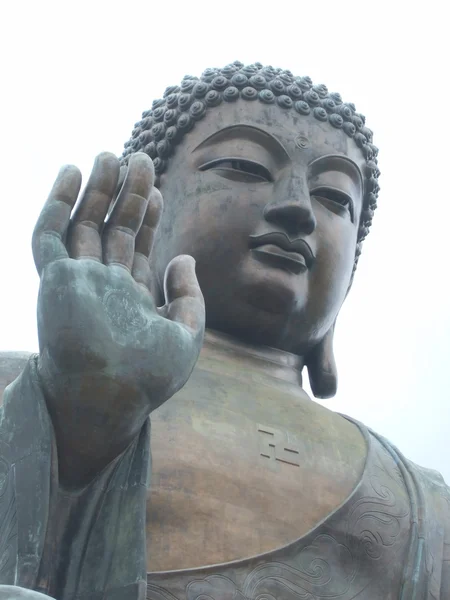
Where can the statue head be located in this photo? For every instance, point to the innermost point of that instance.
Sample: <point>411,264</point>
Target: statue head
<point>270,183</point>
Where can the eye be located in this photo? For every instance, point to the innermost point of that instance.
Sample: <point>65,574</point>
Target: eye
<point>239,169</point>
<point>334,196</point>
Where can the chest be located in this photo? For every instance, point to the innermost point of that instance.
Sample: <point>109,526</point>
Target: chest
<point>234,473</point>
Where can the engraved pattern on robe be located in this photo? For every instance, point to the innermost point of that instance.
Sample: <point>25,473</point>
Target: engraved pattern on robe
<point>386,542</point>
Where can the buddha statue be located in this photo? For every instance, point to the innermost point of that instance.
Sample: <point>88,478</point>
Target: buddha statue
<point>161,445</point>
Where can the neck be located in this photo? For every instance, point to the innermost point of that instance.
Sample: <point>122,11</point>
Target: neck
<point>273,362</point>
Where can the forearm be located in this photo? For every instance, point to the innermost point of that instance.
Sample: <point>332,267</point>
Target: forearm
<point>94,419</point>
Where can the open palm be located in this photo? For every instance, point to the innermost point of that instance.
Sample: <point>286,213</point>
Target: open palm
<point>108,355</point>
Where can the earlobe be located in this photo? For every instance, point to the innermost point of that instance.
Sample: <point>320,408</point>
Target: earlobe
<point>322,369</point>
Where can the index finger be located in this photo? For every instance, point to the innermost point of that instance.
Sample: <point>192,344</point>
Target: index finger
<point>52,223</point>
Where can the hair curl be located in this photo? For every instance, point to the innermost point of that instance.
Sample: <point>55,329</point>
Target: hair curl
<point>172,116</point>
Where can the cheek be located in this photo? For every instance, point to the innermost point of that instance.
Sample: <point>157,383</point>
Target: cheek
<point>334,266</point>
<point>213,217</point>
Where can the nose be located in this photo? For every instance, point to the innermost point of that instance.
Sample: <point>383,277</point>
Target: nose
<point>291,209</point>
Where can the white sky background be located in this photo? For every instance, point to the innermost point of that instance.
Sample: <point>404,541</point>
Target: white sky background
<point>76,76</point>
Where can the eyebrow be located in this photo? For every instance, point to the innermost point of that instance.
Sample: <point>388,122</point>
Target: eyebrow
<point>343,162</point>
<point>253,134</point>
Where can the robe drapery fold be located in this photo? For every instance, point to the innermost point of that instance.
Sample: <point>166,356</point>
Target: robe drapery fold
<point>103,526</point>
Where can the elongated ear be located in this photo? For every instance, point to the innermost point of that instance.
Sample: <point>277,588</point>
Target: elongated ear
<point>322,368</point>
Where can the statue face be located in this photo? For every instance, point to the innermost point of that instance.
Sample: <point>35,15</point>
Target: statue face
<point>268,203</point>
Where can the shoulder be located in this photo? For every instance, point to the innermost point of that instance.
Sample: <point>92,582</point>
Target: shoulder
<point>436,495</point>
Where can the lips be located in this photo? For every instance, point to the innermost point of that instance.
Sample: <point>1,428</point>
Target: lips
<point>276,247</point>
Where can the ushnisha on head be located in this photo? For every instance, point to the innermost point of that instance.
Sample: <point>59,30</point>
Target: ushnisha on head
<point>270,183</point>
<point>163,126</point>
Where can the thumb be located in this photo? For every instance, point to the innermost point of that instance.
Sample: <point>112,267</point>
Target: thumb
<point>184,299</point>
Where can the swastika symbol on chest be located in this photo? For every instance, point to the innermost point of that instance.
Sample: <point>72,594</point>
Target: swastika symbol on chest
<point>274,445</point>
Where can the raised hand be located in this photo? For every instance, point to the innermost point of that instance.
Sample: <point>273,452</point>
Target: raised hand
<point>108,355</point>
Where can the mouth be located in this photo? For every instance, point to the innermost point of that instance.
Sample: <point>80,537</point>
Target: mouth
<point>277,249</point>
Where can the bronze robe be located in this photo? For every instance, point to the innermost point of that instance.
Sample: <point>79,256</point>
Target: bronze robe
<point>105,555</point>
<point>386,542</point>
<point>389,539</point>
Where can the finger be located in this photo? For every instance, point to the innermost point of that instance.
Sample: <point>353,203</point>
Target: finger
<point>128,212</point>
<point>146,237</point>
<point>52,224</point>
<point>184,299</point>
<point>88,218</point>
<point>122,175</point>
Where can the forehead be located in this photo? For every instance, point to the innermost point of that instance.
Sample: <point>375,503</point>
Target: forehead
<point>302,137</point>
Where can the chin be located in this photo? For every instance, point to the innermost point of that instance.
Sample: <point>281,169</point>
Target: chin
<point>257,304</point>
<point>273,290</point>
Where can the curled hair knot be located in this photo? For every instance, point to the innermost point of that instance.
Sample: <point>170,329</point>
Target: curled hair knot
<point>150,149</point>
<point>170,116</point>
<point>286,77</point>
<point>219,83</point>
<point>285,101</point>
<point>185,123</point>
<point>302,107</point>
<point>200,89</point>
<point>320,113</point>
<point>213,98</point>
<point>357,122</point>
<point>230,94</point>
<point>228,71</point>
<point>312,98</point>
<point>258,82</point>
<point>266,96</point>
<point>209,74</point>
<point>158,130</point>
<point>336,120</point>
<point>304,83</point>
<point>145,137</point>
<point>329,105</point>
<point>360,139</point>
<point>294,91</point>
<point>336,98</point>
<point>159,165</point>
<point>321,90</point>
<point>349,128</point>
<point>172,89</point>
<point>197,110</point>
<point>164,148</point>
<point>146,123</point>
<point>158,114</point>
<point>172,100</point>
<point>239,80</point>
<point>184,101</point>
<point>249,93</point>
<point>277,86</point>
<point>172,134</point>
<point>249,70</point>
<point>187,85</point>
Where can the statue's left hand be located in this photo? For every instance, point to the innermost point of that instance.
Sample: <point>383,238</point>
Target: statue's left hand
<point>108,354</point>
